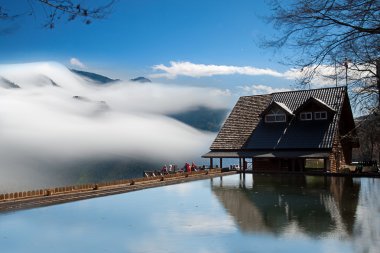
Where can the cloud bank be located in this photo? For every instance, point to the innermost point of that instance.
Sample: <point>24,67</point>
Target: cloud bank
<point>56,116</point>
<point>202,70</point>
<point>257,89</point>
<point>324,75</point>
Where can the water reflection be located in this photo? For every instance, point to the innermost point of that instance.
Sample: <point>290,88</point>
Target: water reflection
<point>291,204</point>
<point>329,208</point>
<point>255,214</point>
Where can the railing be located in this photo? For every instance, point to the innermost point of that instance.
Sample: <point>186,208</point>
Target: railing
<point>97,186</point>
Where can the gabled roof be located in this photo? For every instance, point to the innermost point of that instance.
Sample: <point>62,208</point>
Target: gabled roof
<point>275,104</point>
<point>317,101</point>
<point>244,129</point>
<point>241,122</point>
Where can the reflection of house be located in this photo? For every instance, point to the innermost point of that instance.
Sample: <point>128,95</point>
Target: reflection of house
<point>273,204</point>
<point>289,131</point>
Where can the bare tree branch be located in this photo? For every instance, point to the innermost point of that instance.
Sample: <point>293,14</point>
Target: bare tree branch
<point>326,32</point>
<point>56,10</point>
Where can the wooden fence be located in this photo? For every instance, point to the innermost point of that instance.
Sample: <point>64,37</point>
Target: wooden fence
<point>97,186</point>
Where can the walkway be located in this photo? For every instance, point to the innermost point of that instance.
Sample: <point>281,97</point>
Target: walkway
<point>46,197</point>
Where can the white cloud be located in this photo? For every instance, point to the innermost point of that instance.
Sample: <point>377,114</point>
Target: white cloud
<point>201,70</point>
<point>197,223</point>
<point>77,63</point>
<point>257,89</point>
<point>43,122</point>
<point>324,75</point>
<point>328,75</point>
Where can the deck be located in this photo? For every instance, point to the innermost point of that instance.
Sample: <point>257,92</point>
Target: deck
<point>52,196</point>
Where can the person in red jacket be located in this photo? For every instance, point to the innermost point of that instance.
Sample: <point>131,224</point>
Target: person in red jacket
<point>187,167</point>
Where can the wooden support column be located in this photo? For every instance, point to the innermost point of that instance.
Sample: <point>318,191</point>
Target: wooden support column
<point>240,168</point>
<point>211,165</point>
<point>221,163</point>
<point>244,164</point>
<point>326,164</point>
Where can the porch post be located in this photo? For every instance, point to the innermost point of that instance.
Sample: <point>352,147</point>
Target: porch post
<point>240,164</point>
<point>211,165</point>
<point>326,164</point>
<point>221,163</point>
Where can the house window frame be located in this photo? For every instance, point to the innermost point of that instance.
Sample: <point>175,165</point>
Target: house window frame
<point>320,113</point>
<point>306,118</point>
<point>278,117</point>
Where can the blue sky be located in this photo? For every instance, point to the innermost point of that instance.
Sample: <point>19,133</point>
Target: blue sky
<point>215,39</point>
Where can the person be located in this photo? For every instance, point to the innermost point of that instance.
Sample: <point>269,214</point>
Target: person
<point>187,167</point>
<point>193,166</point>
<point>170,168</point>
<point>164,169</point>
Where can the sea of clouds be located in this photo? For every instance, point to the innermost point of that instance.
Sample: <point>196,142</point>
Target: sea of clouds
<point>50,115</point>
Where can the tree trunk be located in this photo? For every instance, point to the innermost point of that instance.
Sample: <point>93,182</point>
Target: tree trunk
<point>378,81</point>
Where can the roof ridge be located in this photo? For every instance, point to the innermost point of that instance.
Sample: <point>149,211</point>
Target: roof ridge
<point>294,91</point>
<point>324,88</point>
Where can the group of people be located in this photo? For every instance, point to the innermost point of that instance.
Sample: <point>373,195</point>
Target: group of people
<point>173,168</point>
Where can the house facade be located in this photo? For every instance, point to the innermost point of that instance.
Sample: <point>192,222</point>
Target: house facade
<point>289,131</point>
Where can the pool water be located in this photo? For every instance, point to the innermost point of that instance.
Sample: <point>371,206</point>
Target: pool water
<point>257,213</point>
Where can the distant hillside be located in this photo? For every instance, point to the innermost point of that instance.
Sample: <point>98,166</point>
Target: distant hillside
<point>203,118</point>
<point>94,77</point>
<point>141,79</point>
<point>5,83</point>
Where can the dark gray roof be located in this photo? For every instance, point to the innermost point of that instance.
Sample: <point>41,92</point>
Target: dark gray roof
<point>241,121</point>
<point>317,101</point>
<point>278,104</point>
<point>244,129</point>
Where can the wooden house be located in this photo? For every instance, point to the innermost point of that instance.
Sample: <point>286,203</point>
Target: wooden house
<point>289,131</point>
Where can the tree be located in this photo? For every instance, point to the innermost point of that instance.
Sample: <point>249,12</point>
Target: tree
<point>338,39</point>
<point>368,128</point>
<point>56,10</point>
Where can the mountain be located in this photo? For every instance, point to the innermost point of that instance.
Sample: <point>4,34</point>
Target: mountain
<point>203,118</point>
<point>100,79</point>
<point>5,83</point>
<point>141,79</point>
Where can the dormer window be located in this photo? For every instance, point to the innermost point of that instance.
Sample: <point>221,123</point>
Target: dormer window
<point>269,118</point>
<point>306,116</point>
<point>320,115</point>
<point>275,115</point>
<point>314,106</point>
<point>276,112</point>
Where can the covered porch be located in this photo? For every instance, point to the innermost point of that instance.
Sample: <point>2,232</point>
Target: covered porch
<point>273,160</point>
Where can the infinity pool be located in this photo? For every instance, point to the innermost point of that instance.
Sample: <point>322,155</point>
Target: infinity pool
<point>229,214</point>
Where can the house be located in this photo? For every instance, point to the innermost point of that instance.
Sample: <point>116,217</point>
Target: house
<point>289,131</point>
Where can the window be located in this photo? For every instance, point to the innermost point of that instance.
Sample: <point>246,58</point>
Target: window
<point>320,115</point>
<point>314,163</point>
<point>306,116</point>
<point>275,117</point>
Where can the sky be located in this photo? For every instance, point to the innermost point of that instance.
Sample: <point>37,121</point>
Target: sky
<point>197,54</point>
<point>202,43</point>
